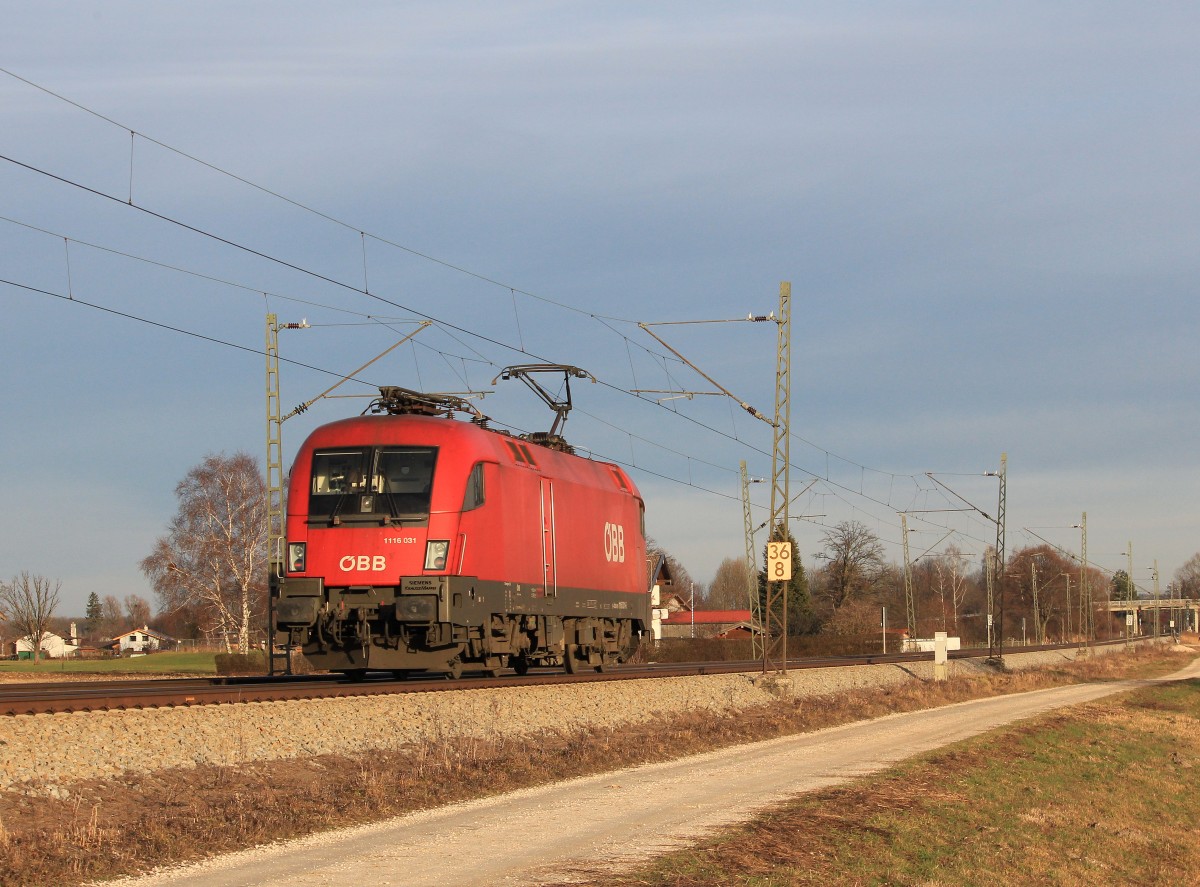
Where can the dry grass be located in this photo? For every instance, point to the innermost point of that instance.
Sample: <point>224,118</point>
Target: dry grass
<point>114,827</point>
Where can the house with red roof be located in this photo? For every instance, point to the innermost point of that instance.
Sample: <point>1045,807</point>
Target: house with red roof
<point>708,624</point>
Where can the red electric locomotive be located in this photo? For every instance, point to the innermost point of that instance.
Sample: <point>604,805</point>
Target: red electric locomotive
<point>417,541</point>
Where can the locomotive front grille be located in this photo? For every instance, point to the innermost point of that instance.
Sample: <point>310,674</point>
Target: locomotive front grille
<point>359,597</point>
<point>417,608</point>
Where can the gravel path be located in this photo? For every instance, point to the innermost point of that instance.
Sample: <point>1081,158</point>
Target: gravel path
<point>45,753</point>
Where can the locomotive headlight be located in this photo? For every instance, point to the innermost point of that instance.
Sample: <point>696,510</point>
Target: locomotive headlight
<point>296,557</point>
<point>435,554</point>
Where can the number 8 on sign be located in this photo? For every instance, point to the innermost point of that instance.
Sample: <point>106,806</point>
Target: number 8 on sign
<point>779,561</point>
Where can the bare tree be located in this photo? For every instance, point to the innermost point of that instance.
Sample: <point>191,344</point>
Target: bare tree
<point>1037,588</point>
<point>941,572</point>
<point>214,555</point>
<point>1187,577</point>
<point>28,603</point>
<point>728,590</point>
<point>950,572</point>
<point>112,618</point>
<point>855,562</point>
<point>137,608</point>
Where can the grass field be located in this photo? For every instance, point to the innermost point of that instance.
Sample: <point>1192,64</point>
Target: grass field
<point>155,663</point>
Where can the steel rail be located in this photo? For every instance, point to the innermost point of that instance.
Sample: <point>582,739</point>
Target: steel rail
<point>58,697</point>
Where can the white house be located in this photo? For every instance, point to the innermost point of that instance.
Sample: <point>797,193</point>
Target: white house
<point>143,640</point>
<point>53,646</point>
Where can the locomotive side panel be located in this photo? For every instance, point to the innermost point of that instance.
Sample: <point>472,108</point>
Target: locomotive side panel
<point>502,536</point>
<point>599,529</point>
<point>567,538</point>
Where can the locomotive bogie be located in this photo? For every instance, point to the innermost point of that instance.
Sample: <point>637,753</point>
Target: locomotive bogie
<point>420,543</point>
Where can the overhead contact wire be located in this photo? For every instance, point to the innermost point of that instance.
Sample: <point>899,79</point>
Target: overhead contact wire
<point>365,291</point>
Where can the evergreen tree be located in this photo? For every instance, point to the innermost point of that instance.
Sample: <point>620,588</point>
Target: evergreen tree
<point>91,620</point>
<point>1122,587</point>
<point>801,618</point>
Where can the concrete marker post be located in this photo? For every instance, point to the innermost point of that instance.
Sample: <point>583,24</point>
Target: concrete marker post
<point>939,655</point>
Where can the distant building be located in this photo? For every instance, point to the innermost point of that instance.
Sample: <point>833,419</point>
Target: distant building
<point>144,640</point>
<point>674,603</point>
<point>53,646</point>
<point>708,624</point>
<point>925,645</point>
<point>659,573</point>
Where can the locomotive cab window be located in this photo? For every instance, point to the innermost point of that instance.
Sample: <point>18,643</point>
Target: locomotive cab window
<point>404,479</point>
<point>336,473</point>
<point>385,484</point>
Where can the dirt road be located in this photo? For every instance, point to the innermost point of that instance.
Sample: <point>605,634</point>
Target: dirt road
<point>531,836</point>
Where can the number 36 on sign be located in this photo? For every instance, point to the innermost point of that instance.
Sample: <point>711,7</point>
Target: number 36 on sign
<point>779,561</point>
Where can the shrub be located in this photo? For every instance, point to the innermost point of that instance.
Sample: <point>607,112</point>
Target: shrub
<point>241,663</point>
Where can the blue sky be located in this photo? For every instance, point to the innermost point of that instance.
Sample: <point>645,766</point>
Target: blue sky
<point>987,212</point>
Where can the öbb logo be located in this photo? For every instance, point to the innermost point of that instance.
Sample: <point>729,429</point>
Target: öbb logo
<point>363,563</point>
<point>614,543</point>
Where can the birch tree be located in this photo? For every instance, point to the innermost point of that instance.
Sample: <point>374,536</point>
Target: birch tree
<point>213,557</point>
<point>950,570</point>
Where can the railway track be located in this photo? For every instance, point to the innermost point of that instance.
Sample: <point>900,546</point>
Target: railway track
<point>62,697</point>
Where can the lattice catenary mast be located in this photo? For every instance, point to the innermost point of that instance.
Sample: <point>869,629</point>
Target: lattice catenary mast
<point>999,577</point>
<point>910,603</point>
<point>756,621</point>
<point>775,615</point>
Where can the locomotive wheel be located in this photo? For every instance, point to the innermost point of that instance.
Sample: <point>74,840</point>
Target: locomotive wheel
<point>570,660</point>
<point>492,666</point>
<point>520,664</point>
<point>454,669</point>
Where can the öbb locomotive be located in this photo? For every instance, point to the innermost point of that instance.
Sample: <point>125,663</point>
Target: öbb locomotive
<point>419,541</point>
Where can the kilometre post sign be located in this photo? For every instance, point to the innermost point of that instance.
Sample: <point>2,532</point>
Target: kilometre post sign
<point>779,561</point>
